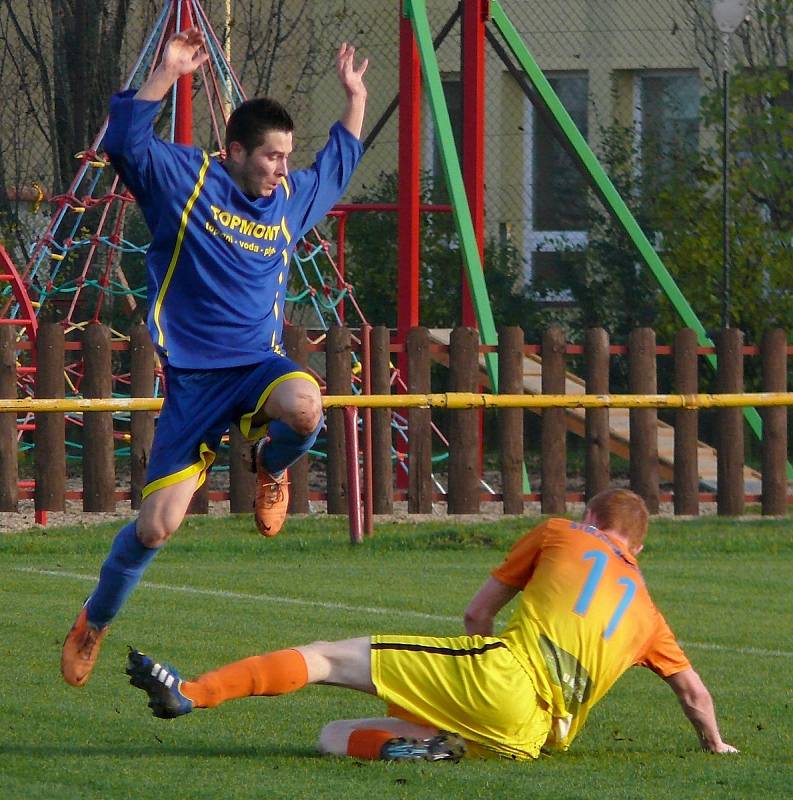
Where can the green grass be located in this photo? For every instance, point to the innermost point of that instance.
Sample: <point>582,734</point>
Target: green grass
<point>220,592</point>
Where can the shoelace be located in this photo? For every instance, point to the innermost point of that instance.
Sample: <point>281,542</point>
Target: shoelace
<point>274,491</point>
<point>89,641</point>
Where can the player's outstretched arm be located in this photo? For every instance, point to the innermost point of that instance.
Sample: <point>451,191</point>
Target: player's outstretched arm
<point>697,705</point>
<point>484,606</point>
<point>351,79</point>
<point>183,54</point>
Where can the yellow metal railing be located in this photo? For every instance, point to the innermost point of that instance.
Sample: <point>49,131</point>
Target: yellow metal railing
<point>440,400</point>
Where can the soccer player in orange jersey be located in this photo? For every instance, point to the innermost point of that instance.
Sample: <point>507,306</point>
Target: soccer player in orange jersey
<point>584,617</point>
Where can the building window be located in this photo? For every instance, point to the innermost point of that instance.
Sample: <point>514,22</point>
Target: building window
<point>556,193</point>
<point>452,92</point>
<point>666,120</point>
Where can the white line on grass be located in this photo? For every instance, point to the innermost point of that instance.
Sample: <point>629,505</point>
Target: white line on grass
<point>291,601</point>
<point>296,601</point>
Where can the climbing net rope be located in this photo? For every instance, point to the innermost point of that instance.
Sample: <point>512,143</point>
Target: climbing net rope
<point>88,264</point>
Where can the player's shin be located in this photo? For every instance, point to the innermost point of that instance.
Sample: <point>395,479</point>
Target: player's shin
<point>284,446</point>
<point>367,743</point>
<point>271,674</point>
<point>119,575</point>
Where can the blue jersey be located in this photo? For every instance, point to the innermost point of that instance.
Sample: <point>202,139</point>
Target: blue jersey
<point>219,259</point>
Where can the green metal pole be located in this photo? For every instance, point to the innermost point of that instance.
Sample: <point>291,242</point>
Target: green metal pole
<point>605,188</point>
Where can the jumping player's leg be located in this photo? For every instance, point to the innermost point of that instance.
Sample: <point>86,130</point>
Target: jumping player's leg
<point>133,549</point>
<point>136,544</point>
<point>196,413</point>
<point>290,409</point>
<point>293,414</point>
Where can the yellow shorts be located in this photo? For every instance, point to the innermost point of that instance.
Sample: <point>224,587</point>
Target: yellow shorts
<point>471,685</point>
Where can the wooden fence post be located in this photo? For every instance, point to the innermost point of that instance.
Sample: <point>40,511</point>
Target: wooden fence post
<point>297,349</point>
<point>338,366</point>
<point>9,465</point>
<point>596,363</point>
<point>419,424</point>
<point>686,466</point>
<point>553,468</point>
<point>382,469</point>
<point>773,351</point>
<point>200,502</point>
<point>730,446</point>
<point>141,358</point>
<point>99,468</point>
<point>49,454</point>
<point>510,420</point>
<point>643,421</point>
<point>464,424</point>
<point>242,473</point>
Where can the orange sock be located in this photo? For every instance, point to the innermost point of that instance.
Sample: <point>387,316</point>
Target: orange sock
<point>367,743</point>
<point>275,673</point>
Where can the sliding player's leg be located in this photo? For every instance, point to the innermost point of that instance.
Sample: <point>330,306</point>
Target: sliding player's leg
<point>344,663</point>
<point>390,739</point>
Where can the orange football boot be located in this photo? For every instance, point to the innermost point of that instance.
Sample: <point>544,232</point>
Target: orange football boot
<point>80,649</point>
<point>272,499</point>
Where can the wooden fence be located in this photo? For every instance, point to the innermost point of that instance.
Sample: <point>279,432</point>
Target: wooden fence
<point>464,494</point>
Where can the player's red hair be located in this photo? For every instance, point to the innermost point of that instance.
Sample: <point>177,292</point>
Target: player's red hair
<point>622,511</point>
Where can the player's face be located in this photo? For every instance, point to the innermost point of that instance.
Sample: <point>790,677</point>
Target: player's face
<point>259,171</point>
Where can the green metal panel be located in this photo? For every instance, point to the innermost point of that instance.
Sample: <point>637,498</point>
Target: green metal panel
<point>606,190</point>
<point>416,11</point>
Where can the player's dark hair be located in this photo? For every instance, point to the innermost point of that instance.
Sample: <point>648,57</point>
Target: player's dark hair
<point>252,120</point>
<point>623,511</point>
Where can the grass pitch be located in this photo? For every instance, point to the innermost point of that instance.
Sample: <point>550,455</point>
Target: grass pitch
<point>219,592</point>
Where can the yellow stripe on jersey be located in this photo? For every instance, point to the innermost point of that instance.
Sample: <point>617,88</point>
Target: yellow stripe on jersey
<point>287,235</point>
<point>178,249</point>
<point>285,184</point>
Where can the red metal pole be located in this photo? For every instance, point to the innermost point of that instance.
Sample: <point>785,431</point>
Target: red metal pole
<point>409,196</point>
<point>475,14</point>
<point>409,184</point>
<point>183,127</point>
<point>341,237</point>
<point>368,480</point>
<point>353,476</point>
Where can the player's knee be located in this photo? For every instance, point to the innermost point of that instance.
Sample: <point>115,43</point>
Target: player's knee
<point>306,415</point>
<point>155,530</point>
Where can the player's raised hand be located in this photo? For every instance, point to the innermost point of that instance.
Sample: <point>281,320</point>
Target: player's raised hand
<point>184,52</point>
<point>350,76</point>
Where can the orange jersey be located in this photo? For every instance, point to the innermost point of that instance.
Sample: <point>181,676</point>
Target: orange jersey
<point>584,617</point>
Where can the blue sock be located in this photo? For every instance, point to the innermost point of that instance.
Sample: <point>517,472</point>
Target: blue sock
<point>285,446</point>
<point>119,575</point>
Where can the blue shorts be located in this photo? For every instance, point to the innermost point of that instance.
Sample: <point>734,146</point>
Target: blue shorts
<point>198,409</point>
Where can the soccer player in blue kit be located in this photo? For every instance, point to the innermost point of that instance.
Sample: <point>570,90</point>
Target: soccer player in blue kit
<point>223,233</point>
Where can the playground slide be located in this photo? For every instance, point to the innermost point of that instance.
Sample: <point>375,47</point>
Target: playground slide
<point>619,425</point>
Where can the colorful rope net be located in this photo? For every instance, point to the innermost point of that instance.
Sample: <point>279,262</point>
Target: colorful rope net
<point>88,264</point>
